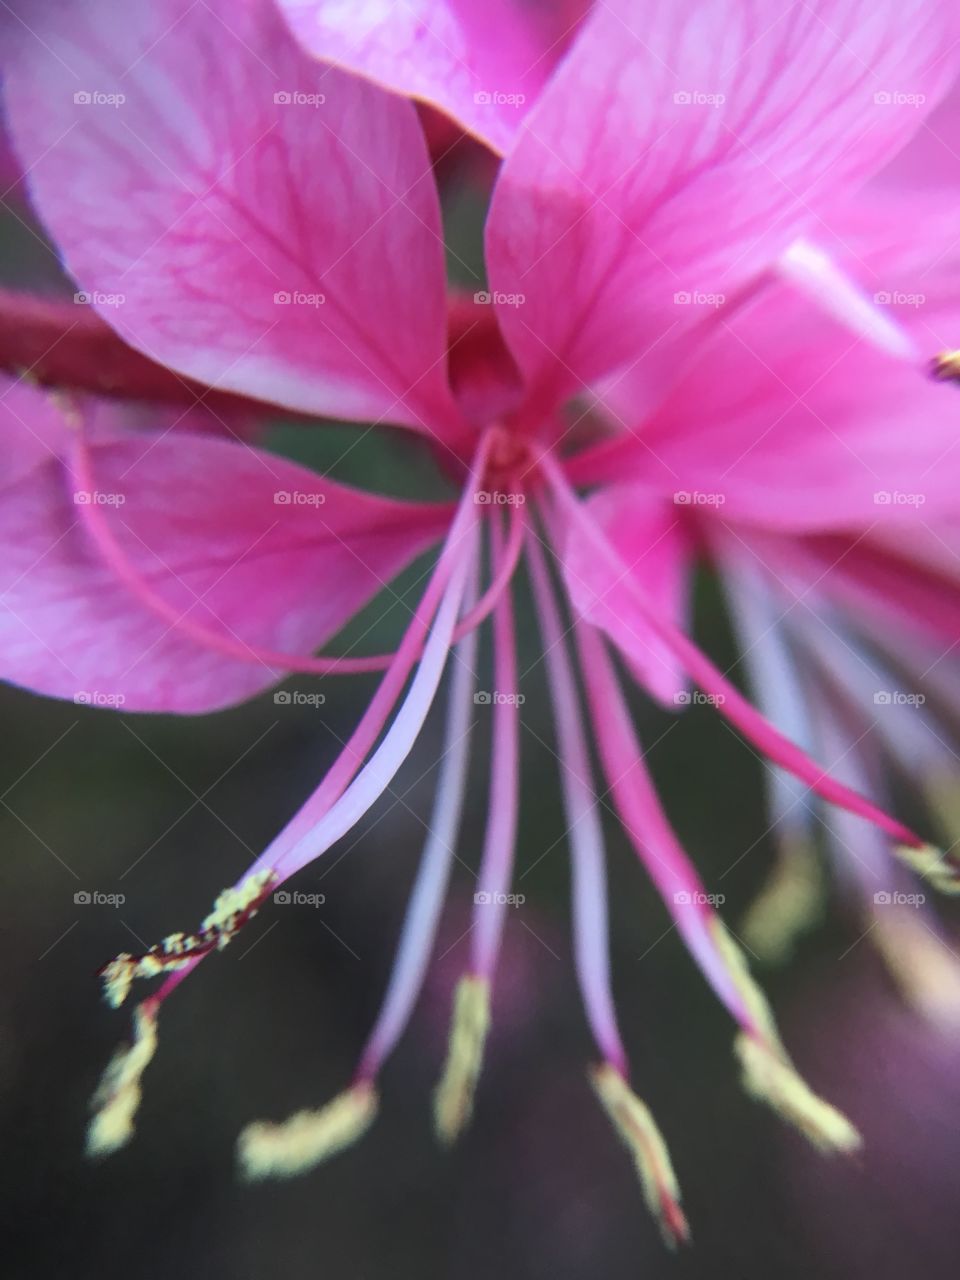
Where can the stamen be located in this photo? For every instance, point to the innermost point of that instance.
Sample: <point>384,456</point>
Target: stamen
<point>768,1073</point>
<point>638,1130</point>
<point>423,911</point>
<point>630,1116</point>
<point>938,866</point>
<point>457,553</point>
<point>923,966</point>
<point>647,826</point>
<point>284,1150</point>
<point>946,366</point>
<point>730,702</point>
<point>453,1101</point>
<point>231,911</point>
<point>789,905</point>
<point>584,828</point>
<point>496,864</point>
<point>773,1079</point>
<point>117,1098</point>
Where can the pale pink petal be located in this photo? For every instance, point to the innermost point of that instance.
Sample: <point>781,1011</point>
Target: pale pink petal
<point>237,211</point>
<point>932,156</point>
<point>653,541</point>
<point>247,545</point>
<point>679,149</point>
<point>484,64</point>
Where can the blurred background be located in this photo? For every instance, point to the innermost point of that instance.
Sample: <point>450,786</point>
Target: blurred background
<point>165,812</point>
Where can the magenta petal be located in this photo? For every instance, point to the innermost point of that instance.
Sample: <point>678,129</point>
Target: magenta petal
<point>244,543</point>
<point>679,148</point>
<point>790,420</point>
<point>652,541</point>
<point>256,220</point>
<point>484,64</point>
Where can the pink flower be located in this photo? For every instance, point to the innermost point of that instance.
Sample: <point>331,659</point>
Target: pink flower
<point>267,224</point>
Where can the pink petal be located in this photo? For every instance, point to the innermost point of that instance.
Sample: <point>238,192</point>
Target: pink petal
<point>651,539</point>
<point>788,419</point>
<point>240,213</point>
<point>678,150</point>
<point>200,519</point>
<point>484,64</point>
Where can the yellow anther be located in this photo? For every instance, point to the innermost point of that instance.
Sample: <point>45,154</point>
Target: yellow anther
<point>453,1101</point>
<point>933,864</point>
<point>283,1150</point>
<point>788,906</point>
<point>638,1130</point>
<point>118,1096</point>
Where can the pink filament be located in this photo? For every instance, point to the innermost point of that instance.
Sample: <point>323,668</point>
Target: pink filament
<point>361,741</point>
<point>426,899</point>
<point>646,824</point>
<point>496,866</point>
<point>730,702</point>
<point>585,829</point>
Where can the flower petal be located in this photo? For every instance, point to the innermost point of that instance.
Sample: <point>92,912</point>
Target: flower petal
<point>485,65</point>
<point>236,211</point>
<point>788,419</point>
<point>671,159</point>
<point>652,540</point>
<point>248,545</point>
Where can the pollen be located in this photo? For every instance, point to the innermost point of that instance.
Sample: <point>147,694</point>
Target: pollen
<point>453,1101</point>
<point>117,1098</point>
<point>789,905</point>
<point>768,1073</point>
<point>933,864</point>
<point>946,366</point>
<point>637,1128</point>
<point>921,964</point>
<point>231,911</point>
<point>773,1079</point>
<point>284,1150</point>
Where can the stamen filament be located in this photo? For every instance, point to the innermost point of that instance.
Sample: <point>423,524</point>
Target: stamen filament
<point>730,702</point>
<point>423,910</point>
